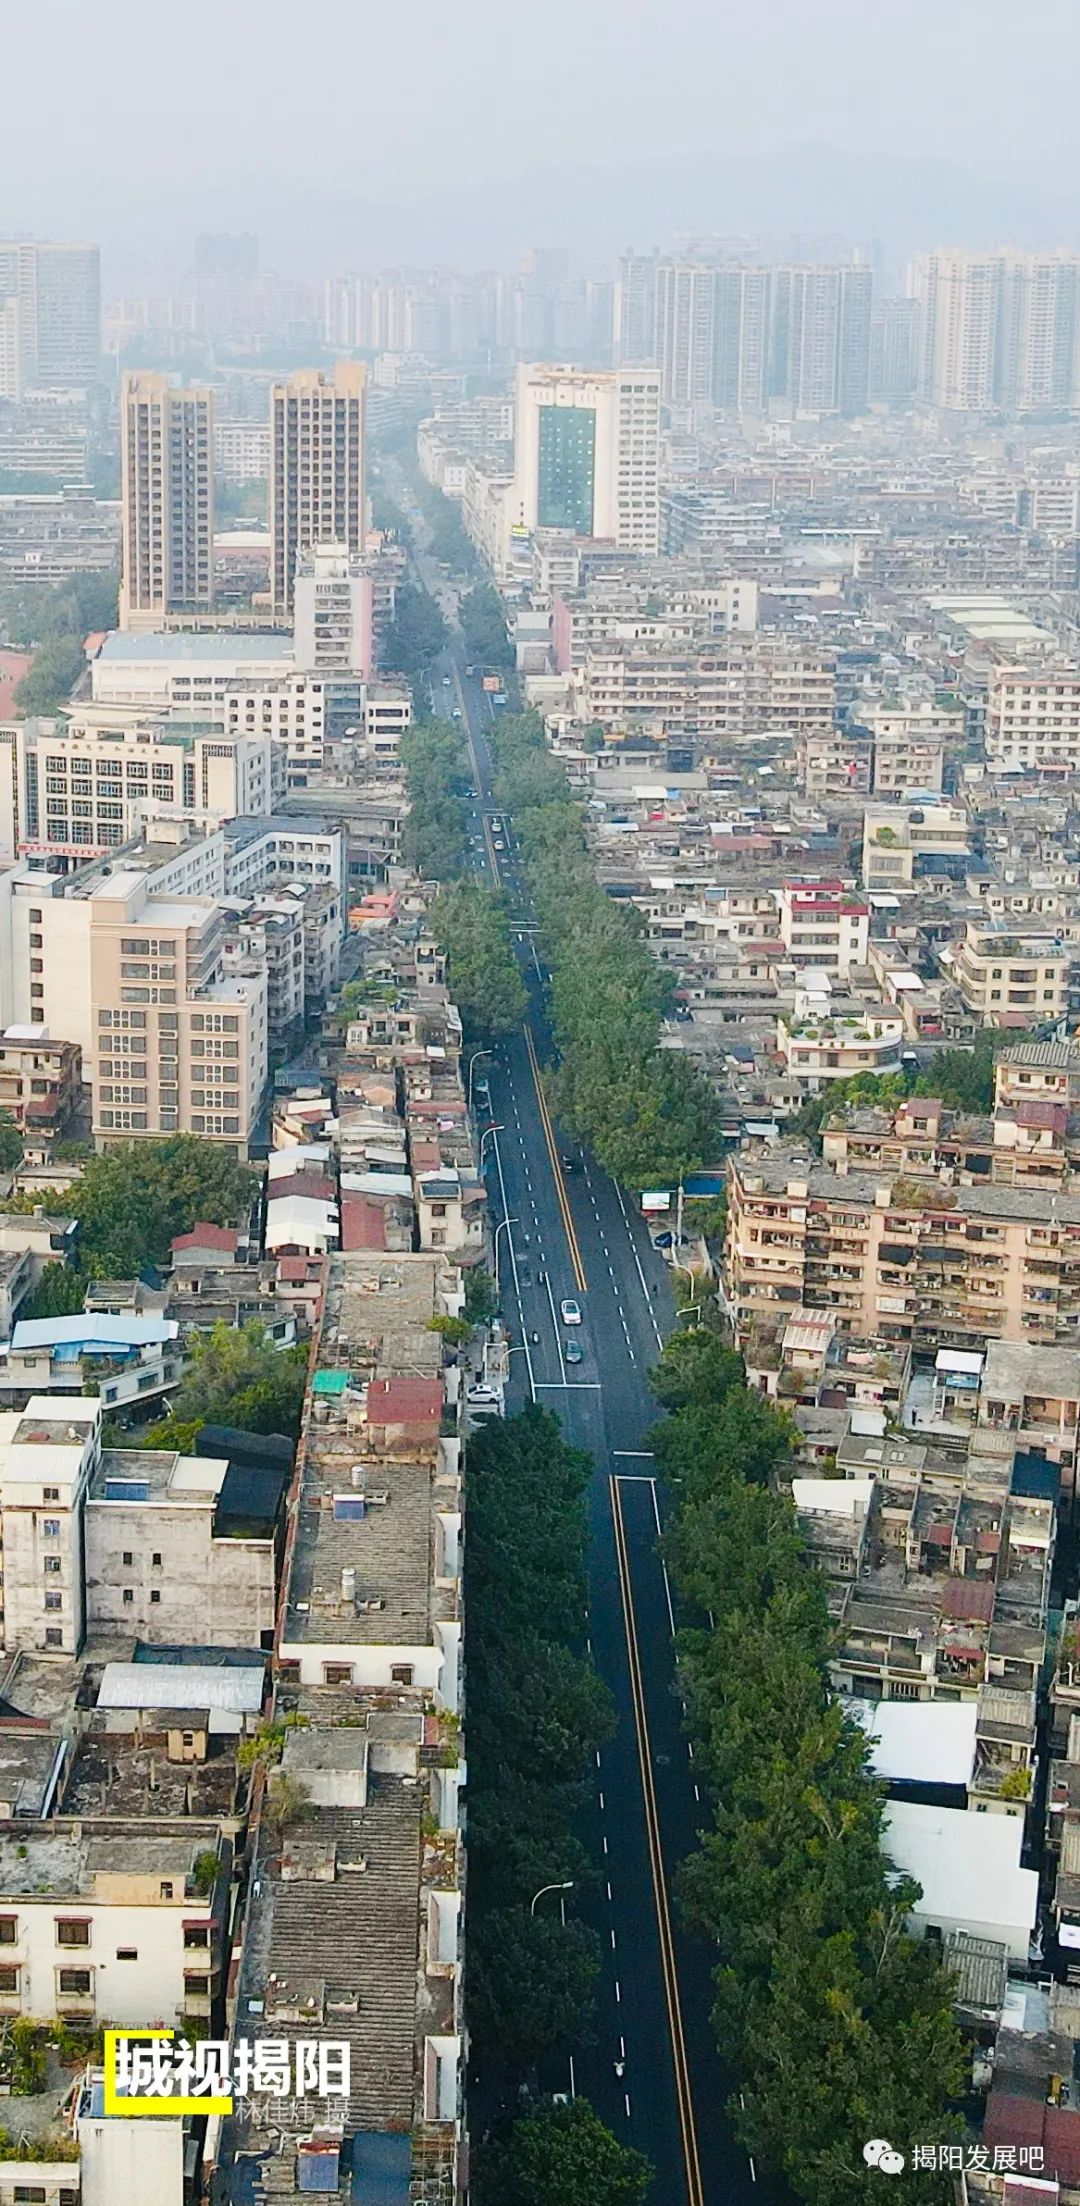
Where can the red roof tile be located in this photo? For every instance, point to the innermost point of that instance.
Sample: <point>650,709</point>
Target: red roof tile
<point>402,1401</point>
<point>303,1183</point>
<point>296,1271</point>
<point>971,1599</point>
<point>363,1223</point>
<point>223,1238</point>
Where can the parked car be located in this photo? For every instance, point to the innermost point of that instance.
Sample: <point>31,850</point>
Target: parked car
<point>570,1311</point>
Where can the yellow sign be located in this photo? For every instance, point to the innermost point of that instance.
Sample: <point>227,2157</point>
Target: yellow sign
<point>115,2103</point>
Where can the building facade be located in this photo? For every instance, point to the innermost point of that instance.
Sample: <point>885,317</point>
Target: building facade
<point>167,500</point>
<point>317,481</point>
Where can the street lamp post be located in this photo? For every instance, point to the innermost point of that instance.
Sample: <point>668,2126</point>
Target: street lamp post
<point>503,1222</point>
<point>476,1055</point>
<point>567,1887</point>
<point>486,1136</point>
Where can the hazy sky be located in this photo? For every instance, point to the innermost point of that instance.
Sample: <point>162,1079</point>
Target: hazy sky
<point>121,119</point>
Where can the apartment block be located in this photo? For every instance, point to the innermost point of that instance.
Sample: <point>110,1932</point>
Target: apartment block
<point>317,481</point>
<point>91,782</point>
<point>167,501</point>
<point>999,330</point>
<point>40,1081</point>
<point>333,612</point>
<point>823,925</point>
<point>1016,976</point>
<point>909,746</point>
<point>913,1260</point>
<point>107,1923</point>
<point>52,294</point>
<point>1033,721</point>
<point>904,844</point>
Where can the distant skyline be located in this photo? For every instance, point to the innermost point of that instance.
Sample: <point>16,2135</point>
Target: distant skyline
<point>465,134</point>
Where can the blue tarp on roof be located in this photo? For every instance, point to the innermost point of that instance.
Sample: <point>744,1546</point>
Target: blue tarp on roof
<point>99,1335</point>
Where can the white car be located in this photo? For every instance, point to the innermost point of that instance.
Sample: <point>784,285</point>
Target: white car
<point>570,1312</point>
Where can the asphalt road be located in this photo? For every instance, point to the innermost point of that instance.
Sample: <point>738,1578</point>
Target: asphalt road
<point>653,2073</point>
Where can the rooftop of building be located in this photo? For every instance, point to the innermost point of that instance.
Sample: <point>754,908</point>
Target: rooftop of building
<point>53,1862</point>
<point>181,644</point>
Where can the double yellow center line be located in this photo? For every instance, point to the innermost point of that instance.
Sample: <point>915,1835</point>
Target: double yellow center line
<point>560,1191</point>
<point>691,2162</point>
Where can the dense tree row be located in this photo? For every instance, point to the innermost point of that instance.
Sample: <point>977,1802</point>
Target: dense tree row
<point>648,1113</point>
<point>838,2024</point>
<point>434,839</point>
<point>537,1711</point>
<point>471,925</point>
<point>414,638</point>
<point>482,616</point>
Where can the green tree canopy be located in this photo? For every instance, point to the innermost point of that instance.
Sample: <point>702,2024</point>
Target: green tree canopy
<point>237,1378</point>
<point>560,2156</point>
<point>133,1199</point>
<point>838,2024</point>
<point>54,671</point>
<point>472,927</point>
<point>434,838</point>
<point>415,636</point>
<point>483,624</point>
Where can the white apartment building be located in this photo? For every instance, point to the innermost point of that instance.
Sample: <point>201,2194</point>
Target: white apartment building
<point>317,485</point>
<point>333,612</point>
<point>48,1454</point>
<point>57,292</point>
<point>587,453</point>
<point>388,713</point>
<point>1033,720</point>
<point>823,926</point>
<point>167,500</point>
<point>106,1923</point>
<point>292,712</point>
<point>89,783</point>
<point>158,1566</point>
<point>242,451</point>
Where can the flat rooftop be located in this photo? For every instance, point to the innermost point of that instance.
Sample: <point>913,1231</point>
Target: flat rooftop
<point>389,1547</point>
<point>181,644</point>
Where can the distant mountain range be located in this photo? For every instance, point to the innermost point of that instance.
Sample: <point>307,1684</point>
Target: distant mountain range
<point>888,205</point>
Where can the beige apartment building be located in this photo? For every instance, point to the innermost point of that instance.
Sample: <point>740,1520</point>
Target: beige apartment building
<point>1011,976</point>
<point>317,486</point>
<point>905,1259</point>
<point>744,688</point>
<point>167,500</point>
<point>909,746</point>
<point>170,1042</point>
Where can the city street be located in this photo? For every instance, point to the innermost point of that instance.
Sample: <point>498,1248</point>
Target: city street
<point>653,2073</point>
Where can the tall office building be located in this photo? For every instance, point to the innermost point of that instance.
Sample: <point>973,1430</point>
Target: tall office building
<point>587,453</point>
<point>820,347</point>
<point>634,309</point>
<point>741,320</point>
<point>10,362</point>
<point>316,469</point>
<point>685,331</point>
<point>167,496</point>
<point>999,330</point>
<point>58,290</point>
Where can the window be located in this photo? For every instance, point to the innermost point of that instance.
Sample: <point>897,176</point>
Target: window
<point>29,2194</point>
<point>51,1493</point>
<point>9,1930</point>
<point>52,1566</point>
<point>155,1595</point>
<point>127,1953</point>
<point>165,1890</point>
<point>53,1637</point>
<point>72,1930</point>
<point>54,1601</point>
<point>128,1597</point>
<point>196,1934</point>
<point>401,1673</point>
<point>51,1528</point>
<point>77,1983</point>
<point>156,1561</point>
<point>128,1558</point>
<point>9,1980</point>
<point>337,1673</point>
